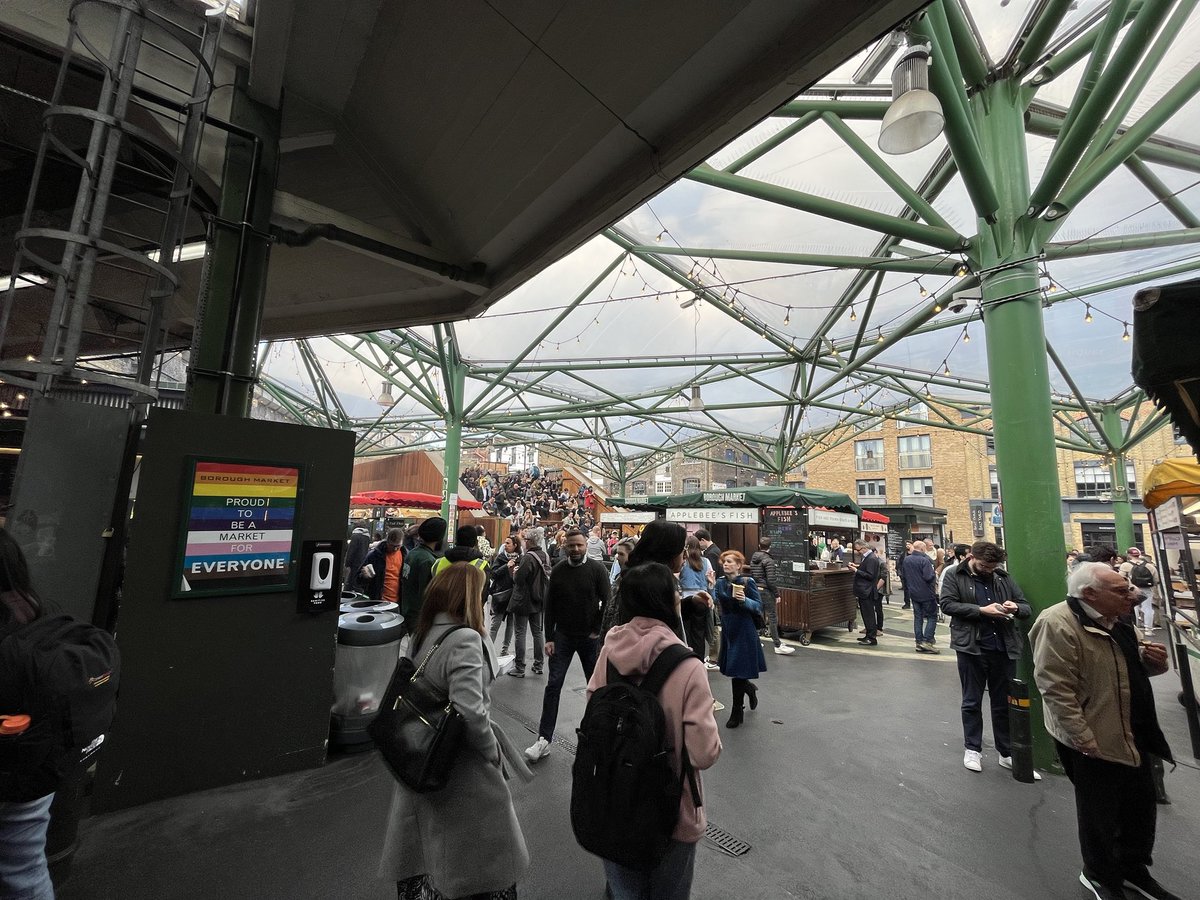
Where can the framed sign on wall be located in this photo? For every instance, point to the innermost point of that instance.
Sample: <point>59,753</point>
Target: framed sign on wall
<point>239,534</point>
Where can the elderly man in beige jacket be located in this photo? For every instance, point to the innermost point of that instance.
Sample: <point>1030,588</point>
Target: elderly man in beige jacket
<point>1094,674</point>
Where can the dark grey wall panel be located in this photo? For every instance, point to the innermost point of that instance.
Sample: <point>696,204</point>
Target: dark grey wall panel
<point>220,689</point>
<point>65,486</point>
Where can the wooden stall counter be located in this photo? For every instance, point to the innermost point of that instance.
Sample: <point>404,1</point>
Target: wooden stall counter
<point>821,598</point>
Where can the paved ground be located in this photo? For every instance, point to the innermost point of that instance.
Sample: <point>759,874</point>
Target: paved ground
<point>847,782</point>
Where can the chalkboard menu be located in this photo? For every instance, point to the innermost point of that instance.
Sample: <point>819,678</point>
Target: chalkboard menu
<point>788,530</point>
<point>895,545</point>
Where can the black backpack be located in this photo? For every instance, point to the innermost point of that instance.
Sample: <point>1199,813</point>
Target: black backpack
<point>624,791</point>
<point>63,674</point>
<point>539,584</point>
<point>1140,575</point>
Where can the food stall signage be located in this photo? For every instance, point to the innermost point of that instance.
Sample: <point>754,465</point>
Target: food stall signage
<point>832,519</point>
<point>1167,515</point>
<point>627,518</point>
<point>725,497</point>
<point>239,533</point>
<point>744,515</point>
<point>874,527</point>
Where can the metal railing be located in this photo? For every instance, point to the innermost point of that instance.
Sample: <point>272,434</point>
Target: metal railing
<point>868,463</point>
<point>918,459</point>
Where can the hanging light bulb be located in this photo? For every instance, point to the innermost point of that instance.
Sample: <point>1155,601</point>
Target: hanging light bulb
<point>962,270</point>
<point>658,240</point>
<point>1088,318</point>
<point>946,368</point>
<point>924,291</point>
<point>787,316</point>
<point>853,314</point>
<point>1125,333</point>
<point>879,339</point>
<point>966,336</point>
<point>937,306</point>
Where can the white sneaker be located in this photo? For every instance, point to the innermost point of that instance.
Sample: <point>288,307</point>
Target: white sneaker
<point>540,748</point>
<point>973,760</point>
<point>1006,763</point>
<point>708,664</point>
<point>785,650</point>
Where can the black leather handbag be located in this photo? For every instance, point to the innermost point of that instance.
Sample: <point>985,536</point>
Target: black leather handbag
<point>418,730</point>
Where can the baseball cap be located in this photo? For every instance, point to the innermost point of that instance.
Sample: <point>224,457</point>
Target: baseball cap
<point>1134,551</point>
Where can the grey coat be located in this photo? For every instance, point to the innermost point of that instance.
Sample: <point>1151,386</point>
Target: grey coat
<point>465,837</point>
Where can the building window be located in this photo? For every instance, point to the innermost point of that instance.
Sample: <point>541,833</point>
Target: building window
<point>916,411</point>
<point>1093,479</point>
<point>691,485</point>
<point>994,478</point>
<point>745,459</point>
<point>916,491</point>
<point>662,486</point>
<point>730,454</point>
<point>868,456</point>
<point>1096,533</point>
<point>872,492</point>
<point>915,452</point>
<point>990,443</point>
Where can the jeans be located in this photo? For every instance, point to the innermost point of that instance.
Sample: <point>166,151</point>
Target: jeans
<point>524,624</point>
<point>924,620</point>
<point>991,669</point>
<point>23,872</point>
<point>671,879</point>
<point>1147,606</point>
<point>768,605</point>
<point>494,628</point>
<point>565,648</point>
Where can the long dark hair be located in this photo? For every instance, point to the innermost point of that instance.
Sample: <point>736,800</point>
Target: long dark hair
<point>661,542</point>
<point>648,590</point>
<point>694,557</point>
<point>19,602</point>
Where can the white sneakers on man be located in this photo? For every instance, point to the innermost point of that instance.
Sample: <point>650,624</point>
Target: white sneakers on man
<point>540,749</point>
<point>973,760</point>
<point>1006,763</point>
<point>785,650</point>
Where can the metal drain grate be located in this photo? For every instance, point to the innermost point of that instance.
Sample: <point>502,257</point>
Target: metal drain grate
<point>725,842</point>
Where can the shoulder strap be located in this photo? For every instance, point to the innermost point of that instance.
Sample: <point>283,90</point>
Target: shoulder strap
<point>438,643</point>
<point>664,666</point>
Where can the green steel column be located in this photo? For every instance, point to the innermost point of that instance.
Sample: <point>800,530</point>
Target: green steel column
<point>1122,507</point>
<point>221,373</point>
<point>1020,379</point>
<point>453,454</point>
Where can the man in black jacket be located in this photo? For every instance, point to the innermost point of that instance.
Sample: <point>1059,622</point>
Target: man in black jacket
<point>763,569</point>
<point>983,600</point>
<point>867,585</point>
<point>578,591</point>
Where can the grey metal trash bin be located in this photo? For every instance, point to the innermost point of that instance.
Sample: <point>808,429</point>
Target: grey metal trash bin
<point>367,650</point>
<point>367,605</point>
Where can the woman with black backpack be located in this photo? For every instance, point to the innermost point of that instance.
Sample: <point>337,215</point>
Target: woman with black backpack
<point>649,614</point>
<point>23,821</point>
<point>741,657</point>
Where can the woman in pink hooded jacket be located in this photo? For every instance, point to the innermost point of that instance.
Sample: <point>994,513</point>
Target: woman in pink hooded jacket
<point>650,613</point>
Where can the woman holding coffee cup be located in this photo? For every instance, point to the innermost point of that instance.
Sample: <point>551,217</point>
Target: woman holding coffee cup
<point>741,657</point>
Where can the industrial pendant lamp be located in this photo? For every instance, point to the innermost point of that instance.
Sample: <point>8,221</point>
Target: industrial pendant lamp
<point>697,402</point>
<point>385,397</point>
<point>915,116</point>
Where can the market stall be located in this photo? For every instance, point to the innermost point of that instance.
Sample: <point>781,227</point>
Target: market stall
<point>812,593</point>
<point>1172,494</point>
<point>377,510</point>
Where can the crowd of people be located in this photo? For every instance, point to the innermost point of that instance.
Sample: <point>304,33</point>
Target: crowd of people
<point>644,632</point>
<point>532,497</point>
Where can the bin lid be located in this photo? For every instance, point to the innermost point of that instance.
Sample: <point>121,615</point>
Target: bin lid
<point>365,604</point>
<point>369,629</point>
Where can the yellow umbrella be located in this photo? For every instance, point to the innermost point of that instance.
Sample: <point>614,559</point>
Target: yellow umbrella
<point>1172,478</point>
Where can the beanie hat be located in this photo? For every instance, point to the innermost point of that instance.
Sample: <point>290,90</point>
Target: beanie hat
<point>432,529</point>
<point>466,536</point>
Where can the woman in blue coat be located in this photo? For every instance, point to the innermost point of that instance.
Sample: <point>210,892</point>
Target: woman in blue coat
<point>741,656</point>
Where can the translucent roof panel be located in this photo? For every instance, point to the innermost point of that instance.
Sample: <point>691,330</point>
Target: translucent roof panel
<point>749,279</point>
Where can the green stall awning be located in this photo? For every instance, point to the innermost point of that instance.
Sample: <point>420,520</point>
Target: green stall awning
<point>753,496</point>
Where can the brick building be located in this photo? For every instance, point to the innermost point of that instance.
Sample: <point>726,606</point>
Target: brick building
<point>894,463</point>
